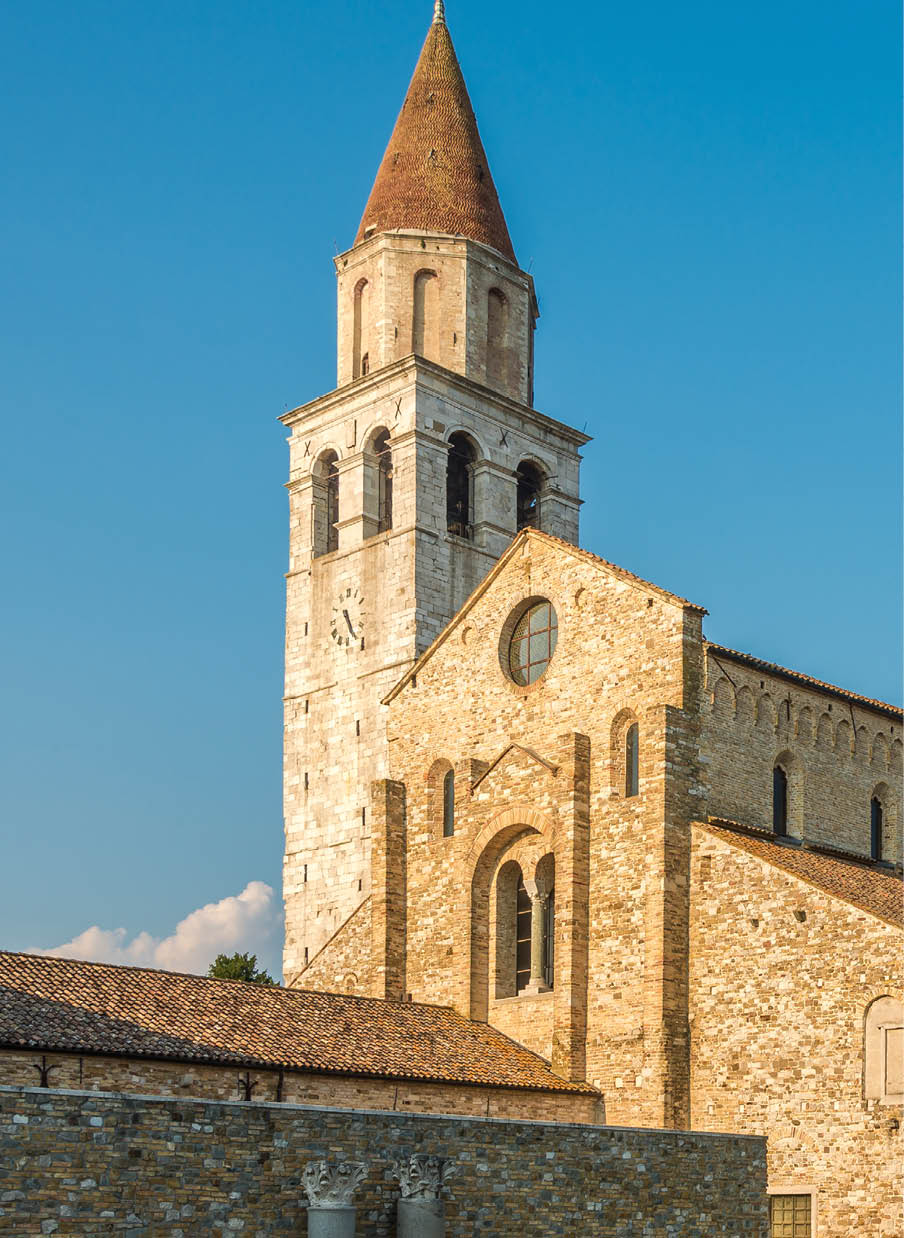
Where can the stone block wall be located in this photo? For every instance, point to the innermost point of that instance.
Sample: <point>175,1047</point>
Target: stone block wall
<point>96,1073</point>
<point>88,1164</point>
<point>626,653</point>
<point>837,756</point>
<point>376,309</point>
<point>781,976</point>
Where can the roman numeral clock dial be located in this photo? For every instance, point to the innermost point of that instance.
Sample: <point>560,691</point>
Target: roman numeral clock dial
<point>347,623</point>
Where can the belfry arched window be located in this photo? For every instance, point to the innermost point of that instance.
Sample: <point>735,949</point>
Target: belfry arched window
<point>530,486</point>
<point>779,800</point>
<point>383,453</point>
<point>326,504</point>
<point>448,804</point>
<point>460,485</point>
<point>876,816</point>
<point>632,760</point>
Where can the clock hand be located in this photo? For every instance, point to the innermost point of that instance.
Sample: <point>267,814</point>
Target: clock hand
<point>349,622</point>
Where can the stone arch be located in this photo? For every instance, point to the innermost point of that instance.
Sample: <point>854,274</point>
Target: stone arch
<point>745,707</point>
<point>531,480</point>
<point>795,774</point>
<point>766,716</point>
<point>883,840</point>
<point>503,946</point>
<point>825,732</point>
<point>378,480</point>
<point>878,757</point>
<point>883,1050</point>
<point>618,754</point>
<point>862,744</point>
<point>325,511</point>
<point>436,797</point>
<point>464,453</point>
<point>804,725</point>
<point>844,738</point>
<point>724,701</point>
<point>360,326</point>
<point>425,320</point>
<point>508,836</point>
<point>894,757</point>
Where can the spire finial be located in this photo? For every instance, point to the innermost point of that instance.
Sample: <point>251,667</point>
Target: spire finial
<point>439,12</point>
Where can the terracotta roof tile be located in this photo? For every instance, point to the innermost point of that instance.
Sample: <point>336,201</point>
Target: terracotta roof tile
<point>854,880</point>
<point>771,668</point>
<point>62,1005</point>
<point>435,175</point>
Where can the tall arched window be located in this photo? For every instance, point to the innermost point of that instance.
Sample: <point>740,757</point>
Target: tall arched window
<point>359,329</point>
<point>875,828</point>
<point>326,504</point>
<point>530,484</point>
<point>383,453</point>
<point>460,485</point>
<point>497,330</point>
<point>448,804</point>
<point>779,800</point>
<point>425,321</point>
<point>632,760</point>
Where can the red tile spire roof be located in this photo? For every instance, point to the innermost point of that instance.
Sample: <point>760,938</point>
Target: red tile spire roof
<point>435,175</point>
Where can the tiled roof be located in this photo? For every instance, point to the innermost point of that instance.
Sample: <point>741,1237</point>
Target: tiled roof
<point>61,1005</point>
<point>435,175</point>
<point>860,882</point>
<point>830,689</point>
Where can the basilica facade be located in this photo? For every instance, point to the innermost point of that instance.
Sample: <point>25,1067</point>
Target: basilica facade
<point>520,781</point>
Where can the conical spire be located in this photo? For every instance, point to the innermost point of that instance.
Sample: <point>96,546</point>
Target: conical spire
<point>435,174</point>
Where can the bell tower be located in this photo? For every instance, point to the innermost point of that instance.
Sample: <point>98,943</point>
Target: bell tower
<point>406,482</point>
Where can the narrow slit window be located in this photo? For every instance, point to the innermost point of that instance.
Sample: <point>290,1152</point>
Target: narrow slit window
<point>875,828</point>
<point>779,801</point>
<point>632,755</point>
<point>448,804</point>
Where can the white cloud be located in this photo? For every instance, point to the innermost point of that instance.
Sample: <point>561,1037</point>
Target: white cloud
<point>245,922</point>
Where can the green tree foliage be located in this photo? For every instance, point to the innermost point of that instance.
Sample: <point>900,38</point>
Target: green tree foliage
<point>238,967</point>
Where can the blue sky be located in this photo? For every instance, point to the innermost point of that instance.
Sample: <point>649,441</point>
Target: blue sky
<point>708,199</point>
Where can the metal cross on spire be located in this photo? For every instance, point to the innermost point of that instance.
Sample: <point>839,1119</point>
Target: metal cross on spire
<point>439,12</point>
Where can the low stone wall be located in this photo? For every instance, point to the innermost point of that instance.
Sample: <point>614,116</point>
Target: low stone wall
<point>100,1163</point>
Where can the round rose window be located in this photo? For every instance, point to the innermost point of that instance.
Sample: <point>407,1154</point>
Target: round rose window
<point>532,643</point>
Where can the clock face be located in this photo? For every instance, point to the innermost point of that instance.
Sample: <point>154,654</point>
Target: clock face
<point>347,624</point>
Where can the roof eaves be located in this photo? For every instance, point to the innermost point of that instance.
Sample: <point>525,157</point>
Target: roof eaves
<point>718,827</point>
<point>807,681</point>
<point>257,1063</point>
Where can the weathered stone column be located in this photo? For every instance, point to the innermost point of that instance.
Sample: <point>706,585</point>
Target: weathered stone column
<point>539,898</point>
<point>421,1210</point>
<point>329,1188</point>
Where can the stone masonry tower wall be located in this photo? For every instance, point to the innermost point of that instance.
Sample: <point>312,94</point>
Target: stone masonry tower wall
<point>407,482</point>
